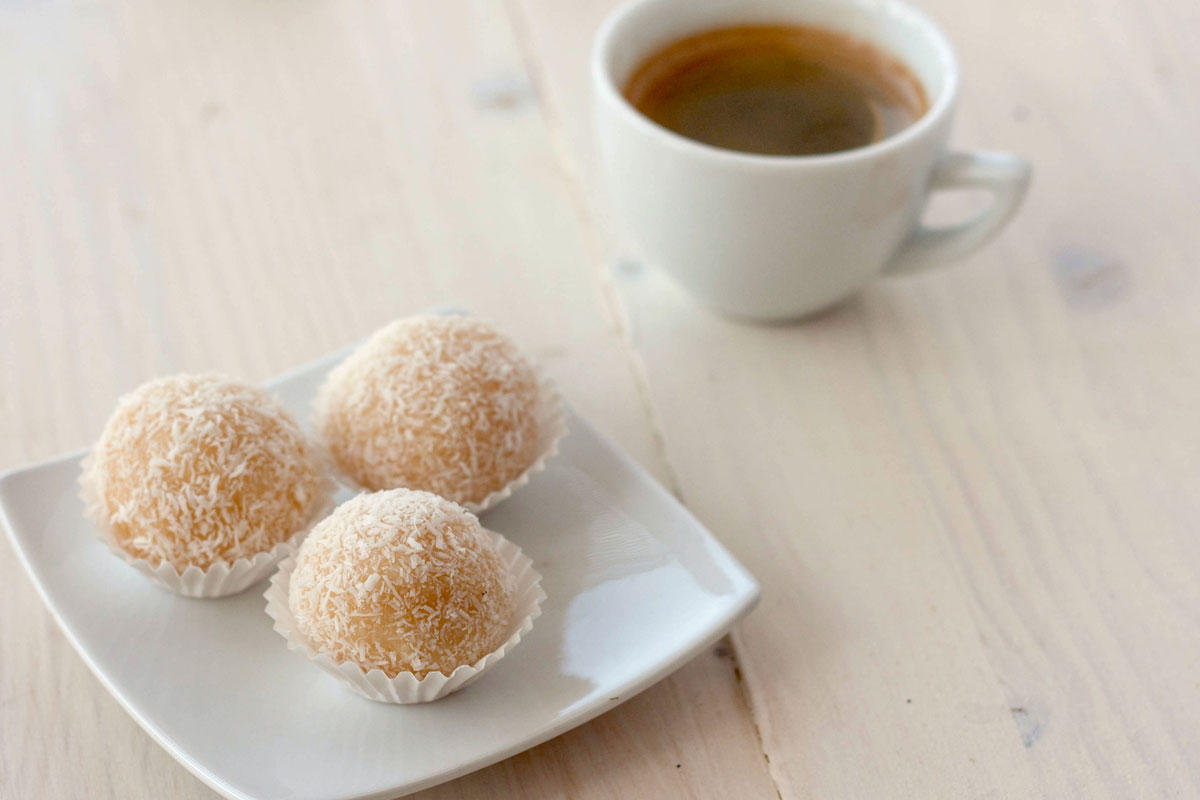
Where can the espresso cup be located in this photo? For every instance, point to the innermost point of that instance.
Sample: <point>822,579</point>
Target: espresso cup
<point>768,237</point>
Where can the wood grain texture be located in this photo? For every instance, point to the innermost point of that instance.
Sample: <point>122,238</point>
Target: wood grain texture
<point>968,495</point>
<point>246,186</point>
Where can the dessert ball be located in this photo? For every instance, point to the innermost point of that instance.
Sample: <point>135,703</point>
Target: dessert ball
<point>196,469</point>
<point>446,404</point>
<point>402,580</point>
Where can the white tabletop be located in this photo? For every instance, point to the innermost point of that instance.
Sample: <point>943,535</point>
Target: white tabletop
<point>970,497</point>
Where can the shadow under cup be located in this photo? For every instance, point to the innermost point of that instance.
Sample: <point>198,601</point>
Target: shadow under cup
<point>765,236</point>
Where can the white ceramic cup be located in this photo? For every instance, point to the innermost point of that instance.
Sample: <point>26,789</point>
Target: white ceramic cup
<point>778,237</point>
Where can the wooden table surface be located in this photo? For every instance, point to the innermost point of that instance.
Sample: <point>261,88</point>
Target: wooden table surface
<point>971,497</point>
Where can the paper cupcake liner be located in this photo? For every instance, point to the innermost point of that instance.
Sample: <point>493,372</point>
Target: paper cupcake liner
<point>222,578</point>
<point>552,427</point>
<point>407,687</point>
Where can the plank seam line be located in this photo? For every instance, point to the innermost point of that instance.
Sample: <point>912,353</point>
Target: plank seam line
<point>618,315</point>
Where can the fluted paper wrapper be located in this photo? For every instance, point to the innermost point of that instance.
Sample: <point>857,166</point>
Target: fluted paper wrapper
<point>407,687</point>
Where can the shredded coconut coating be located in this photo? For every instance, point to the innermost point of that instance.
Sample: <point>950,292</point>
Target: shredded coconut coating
<point>441,403</point>
<point>403,581</point>
<point>196,469</point>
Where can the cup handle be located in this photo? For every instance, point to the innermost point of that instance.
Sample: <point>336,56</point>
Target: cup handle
<point>1004,175</point>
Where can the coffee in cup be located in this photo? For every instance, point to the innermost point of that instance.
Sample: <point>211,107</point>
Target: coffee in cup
<point>786,90</point>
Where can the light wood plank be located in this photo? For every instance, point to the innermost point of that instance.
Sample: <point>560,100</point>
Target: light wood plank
<point>245,186</point>
<point>968,495</point>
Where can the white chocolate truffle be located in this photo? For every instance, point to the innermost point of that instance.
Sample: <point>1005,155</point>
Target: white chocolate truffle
<point>403,581</point>
<point>446,404</point>
<point>196,469</point>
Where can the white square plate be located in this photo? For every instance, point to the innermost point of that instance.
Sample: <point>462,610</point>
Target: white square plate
<point>636,587</point>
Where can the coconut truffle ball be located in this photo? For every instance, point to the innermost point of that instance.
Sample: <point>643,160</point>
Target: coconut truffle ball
<point>441,403</point>
<point>196,469</point>
<point>402,580</point>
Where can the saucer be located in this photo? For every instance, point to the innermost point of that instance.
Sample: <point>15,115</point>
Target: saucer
<point>635,588</point>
